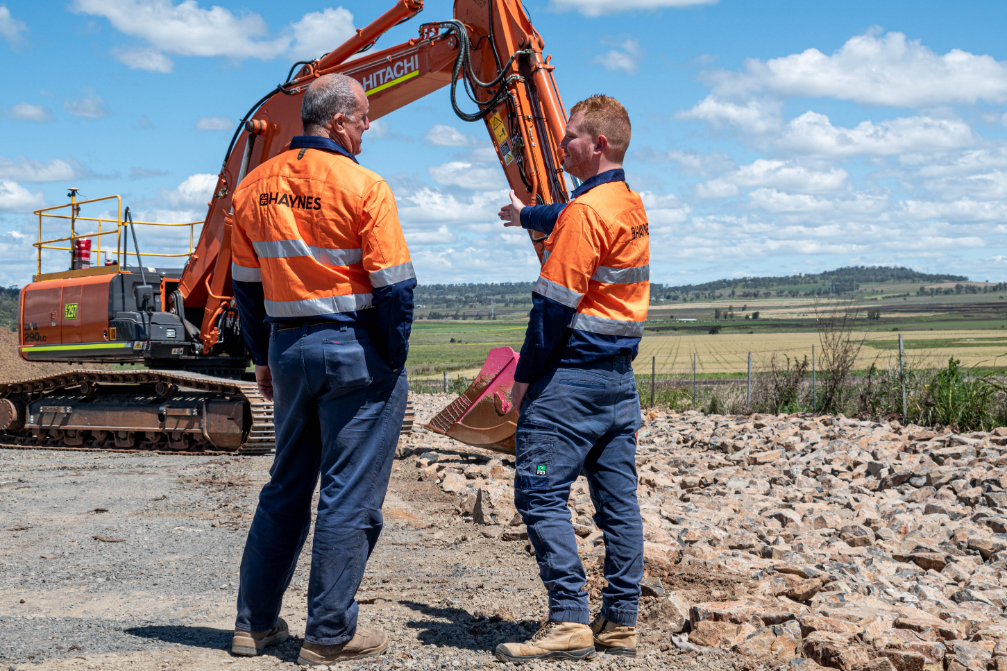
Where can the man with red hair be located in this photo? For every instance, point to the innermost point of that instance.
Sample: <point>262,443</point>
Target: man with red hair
<point>574,385</point>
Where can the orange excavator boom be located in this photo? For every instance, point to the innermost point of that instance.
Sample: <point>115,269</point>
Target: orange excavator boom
<point>490,51</point>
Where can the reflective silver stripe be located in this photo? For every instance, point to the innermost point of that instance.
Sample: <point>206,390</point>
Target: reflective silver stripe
<point>282,249</point>
<point>318,306</point>
<point>243,274</point>
<point>557,292</point>
<point>337,257</point>
<point>621,275</point>
<point>545,256</point>
<point>399,273</point>
<point>606,326</point>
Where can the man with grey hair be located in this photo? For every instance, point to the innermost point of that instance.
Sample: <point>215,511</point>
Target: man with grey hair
<point>324,286</point>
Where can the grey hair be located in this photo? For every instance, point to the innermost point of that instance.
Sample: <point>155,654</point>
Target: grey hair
<point>328,96</point>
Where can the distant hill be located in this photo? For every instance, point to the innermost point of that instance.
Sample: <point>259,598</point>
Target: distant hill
<point>840,279</point>
<point>446,300</point>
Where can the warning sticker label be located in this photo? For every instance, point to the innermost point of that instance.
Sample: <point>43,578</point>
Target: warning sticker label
<point>505,151</point>
<point>498,128</point>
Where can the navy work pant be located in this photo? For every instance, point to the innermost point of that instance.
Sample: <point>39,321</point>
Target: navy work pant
<point>338,410</point>
<point>574,420</point>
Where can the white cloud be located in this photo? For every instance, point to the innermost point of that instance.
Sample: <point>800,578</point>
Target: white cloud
<point>320,32</point>
<point>442,235</point>
<point>600,7</point>
<point>193,193</point>
<point>873,69</point>
<point>432,206</point>
<point>11,28</point>
<point>772,200</point>
<point>813,133</point>
<point>624,57</point>
<point>788,176</point>
<point>214,123</point>
<point>664,210</point>
<point>187,29</point>
<point>16,198</point>
<point>467,175</point>
<point>29,170</point>
<point>92,106</point>
<point>449,136</point>
<point>963,210</point>
<point>141,58</point>
<point>26,112</point>
<point>717,188</point>
<point>755,116</point>
<point>693,163</point>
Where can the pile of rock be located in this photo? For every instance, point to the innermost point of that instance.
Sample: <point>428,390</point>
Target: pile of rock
<point>852,544</point>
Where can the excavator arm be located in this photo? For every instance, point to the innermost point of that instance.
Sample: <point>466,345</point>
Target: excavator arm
<point>490,56</point>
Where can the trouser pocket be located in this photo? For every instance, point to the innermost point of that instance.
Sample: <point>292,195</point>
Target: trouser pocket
<point>535,446</point>
<point>345,364</point>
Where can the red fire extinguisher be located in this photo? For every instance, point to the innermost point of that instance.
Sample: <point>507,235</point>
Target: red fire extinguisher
<point>81,253</point>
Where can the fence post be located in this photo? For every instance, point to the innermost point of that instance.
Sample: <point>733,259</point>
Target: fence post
<point>693,380</point>
<point>653,372</point>
<point>902,378</point>
<point>749,382</point>
<point>445,382</point>
<point>814,382</point>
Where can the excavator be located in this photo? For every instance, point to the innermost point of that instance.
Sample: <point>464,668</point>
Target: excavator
<point>184,385</point>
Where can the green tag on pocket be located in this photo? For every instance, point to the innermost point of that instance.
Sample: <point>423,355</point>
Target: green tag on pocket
<point>540,469</point>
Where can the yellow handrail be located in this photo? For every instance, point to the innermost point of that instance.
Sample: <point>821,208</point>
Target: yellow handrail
<point>74,217</point>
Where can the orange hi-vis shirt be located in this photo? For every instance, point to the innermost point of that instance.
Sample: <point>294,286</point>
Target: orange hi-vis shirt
<point>591,299</point>
<point>320,231</point>
<point>317,237</point>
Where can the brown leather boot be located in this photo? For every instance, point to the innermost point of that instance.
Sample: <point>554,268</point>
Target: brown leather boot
<point>613,639</point>
<point>365,643</point>
<point>251,643</point>
<point>555,640</point>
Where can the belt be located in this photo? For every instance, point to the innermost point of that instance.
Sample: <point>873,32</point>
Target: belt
<point>289,326</point>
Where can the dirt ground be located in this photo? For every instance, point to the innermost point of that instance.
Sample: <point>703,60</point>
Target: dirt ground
<point>130,561</point>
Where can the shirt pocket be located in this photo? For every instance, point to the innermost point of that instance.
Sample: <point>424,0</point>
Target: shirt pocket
<point>534,452</point>
<point>345,364</point>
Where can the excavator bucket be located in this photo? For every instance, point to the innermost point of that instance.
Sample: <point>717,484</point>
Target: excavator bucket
<point>483,416</point>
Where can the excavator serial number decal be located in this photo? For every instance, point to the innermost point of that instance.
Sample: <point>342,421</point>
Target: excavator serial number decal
<point>70,311</point>
<point>31,333</point>
<point>392,75</point>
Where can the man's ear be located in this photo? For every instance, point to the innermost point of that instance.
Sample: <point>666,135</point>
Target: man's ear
<point>601,144</point>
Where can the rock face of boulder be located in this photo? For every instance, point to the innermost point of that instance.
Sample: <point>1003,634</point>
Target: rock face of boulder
<point>854,544</point>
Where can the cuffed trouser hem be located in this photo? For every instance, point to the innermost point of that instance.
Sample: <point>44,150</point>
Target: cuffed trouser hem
<point>624,618</point>
<point>336,640</point>
<point>576,615</point>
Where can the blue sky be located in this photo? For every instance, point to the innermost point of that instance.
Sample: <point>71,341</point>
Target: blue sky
<point>768,138</point>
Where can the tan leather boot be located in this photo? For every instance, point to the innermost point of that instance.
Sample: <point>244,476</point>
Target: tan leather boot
<point>251,643</point>
<point>613,639</point>
<point>365,643</point>
<point>555,640</point>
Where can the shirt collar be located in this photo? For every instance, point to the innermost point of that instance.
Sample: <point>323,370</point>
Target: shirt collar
<point>616,175</point>
<point>323,143</point>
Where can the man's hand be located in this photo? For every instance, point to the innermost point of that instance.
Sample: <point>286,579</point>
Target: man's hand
<point>264,378</point>
<point>517,392</point>
<point>511,214</point>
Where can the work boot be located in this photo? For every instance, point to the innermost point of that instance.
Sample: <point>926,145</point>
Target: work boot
<point>555,640</point>
<point>613,639</point>
<point>251,643</point>
<point>365,643</point>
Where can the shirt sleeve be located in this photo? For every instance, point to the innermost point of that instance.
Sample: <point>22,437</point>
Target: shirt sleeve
<point>246,281</point>
<point>541,218</point>
<point>388,264</point>
<point>577,250</point>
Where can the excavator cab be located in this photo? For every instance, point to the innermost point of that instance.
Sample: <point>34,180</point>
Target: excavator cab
<point>106,308</point>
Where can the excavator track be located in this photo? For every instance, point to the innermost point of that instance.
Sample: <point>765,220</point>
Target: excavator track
<point>39,413</point>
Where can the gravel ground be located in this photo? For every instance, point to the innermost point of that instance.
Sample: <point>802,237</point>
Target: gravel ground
<point>120,561</point>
